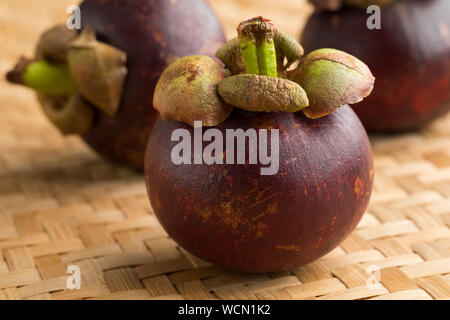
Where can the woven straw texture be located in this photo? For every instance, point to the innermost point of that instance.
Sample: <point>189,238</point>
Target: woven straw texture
<point>61,205</point>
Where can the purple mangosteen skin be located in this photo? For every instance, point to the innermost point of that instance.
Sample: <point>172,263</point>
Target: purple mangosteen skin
<point>234,217</point>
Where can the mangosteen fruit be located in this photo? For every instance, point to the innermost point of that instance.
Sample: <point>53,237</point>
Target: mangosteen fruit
<point>99,82</point>
<point>250,166</point>
<point>409,55</point>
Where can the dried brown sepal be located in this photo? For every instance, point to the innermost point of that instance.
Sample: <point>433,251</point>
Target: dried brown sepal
<point>332,78</point>
<point>70,114</point>
<point>187,92</point>
<point>254,26</point>
<point>54,44</point>
<point>230,55</point>
<point>99,71</point>
<point>263,93</point>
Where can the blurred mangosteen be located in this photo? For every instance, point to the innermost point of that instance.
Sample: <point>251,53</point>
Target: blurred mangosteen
<point>409,55</point>
<point>99,82</point>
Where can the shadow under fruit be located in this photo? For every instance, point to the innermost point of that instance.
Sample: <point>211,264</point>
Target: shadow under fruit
<point>138,40</point>
<point>409,56</point>
<point>228,213</point>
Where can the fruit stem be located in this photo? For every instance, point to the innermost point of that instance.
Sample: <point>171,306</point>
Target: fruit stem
<point>257,46</point>
<point>43,77</point>
<point>249,55</point>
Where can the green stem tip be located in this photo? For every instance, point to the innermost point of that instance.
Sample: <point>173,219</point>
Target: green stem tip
<point>249,54</point>
<point>43,77</point>
<point>257,46</point>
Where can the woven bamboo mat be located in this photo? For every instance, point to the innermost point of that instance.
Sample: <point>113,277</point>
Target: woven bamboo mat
<point>61,205</point>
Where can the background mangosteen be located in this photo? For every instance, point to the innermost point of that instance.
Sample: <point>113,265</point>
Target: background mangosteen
<point>231,215</point>
<point>409,56</point>
<point>103,80</point>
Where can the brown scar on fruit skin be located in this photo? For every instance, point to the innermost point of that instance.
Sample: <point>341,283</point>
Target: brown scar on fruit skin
<point>194,71</point>
<point>272,210</point>
<point>204,213</point>
<point>291,247</point>
<point>235,219</point>
<point>333,220</point>
<point>318,242</point>
<point>359,186</point>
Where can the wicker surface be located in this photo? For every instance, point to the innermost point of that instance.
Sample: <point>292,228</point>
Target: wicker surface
<point>60,204</point>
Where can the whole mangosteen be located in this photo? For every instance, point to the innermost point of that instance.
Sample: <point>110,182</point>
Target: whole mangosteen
<point>99,82</point>
<point>409,55</point>
<point>248,167</point>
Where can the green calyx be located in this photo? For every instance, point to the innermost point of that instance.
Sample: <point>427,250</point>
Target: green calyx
<point>258,77</point>
<point>263,93</point>
<point>48,72</point>
<point>187,91</point>
<point>287,48</point>
<point>230,55</point>
<point>71,114</point>
<point>73,75</point>
<point>332,78</point>
<point>263,51</point>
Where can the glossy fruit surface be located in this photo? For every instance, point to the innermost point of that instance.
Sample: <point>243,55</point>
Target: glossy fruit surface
<point>232,216</point>
<point>409,56</point>
<point>153,33</point>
